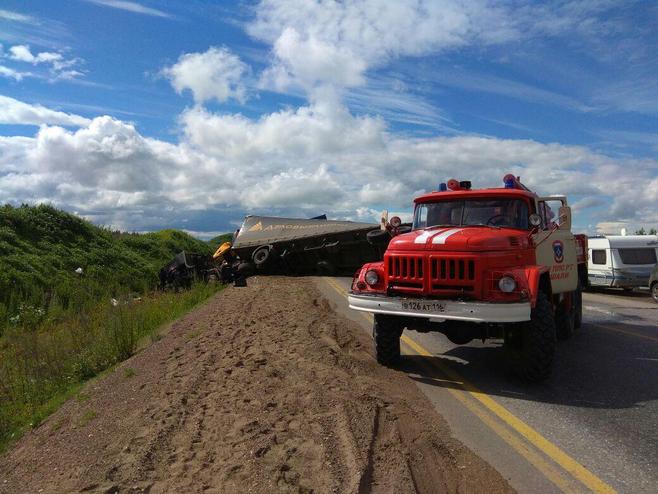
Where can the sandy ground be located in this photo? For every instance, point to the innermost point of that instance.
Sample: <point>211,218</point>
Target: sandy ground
<point>263,389</point>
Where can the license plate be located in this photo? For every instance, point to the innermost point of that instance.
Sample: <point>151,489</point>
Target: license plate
<point>424,306</point>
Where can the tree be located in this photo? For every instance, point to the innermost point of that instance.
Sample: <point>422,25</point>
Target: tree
<point>653,231</point>
<point>640,231</point>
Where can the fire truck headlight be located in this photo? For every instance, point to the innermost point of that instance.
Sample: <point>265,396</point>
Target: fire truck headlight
<point>372,278</point>
<point>507,284</point>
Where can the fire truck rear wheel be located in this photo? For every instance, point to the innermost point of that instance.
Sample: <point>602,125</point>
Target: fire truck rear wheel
<point>531,345</point>
<point>579,305</point>
<point>386,332</point>
<point>565,319</point>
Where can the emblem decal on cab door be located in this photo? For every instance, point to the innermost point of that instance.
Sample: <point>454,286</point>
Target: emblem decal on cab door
<point>558,251</point>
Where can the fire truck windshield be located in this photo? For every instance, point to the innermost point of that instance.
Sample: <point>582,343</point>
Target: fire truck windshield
<point>505,213</point>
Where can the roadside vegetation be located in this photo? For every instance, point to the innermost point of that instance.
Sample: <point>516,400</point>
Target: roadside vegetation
<point>219,240</point>
<point>75,299</point>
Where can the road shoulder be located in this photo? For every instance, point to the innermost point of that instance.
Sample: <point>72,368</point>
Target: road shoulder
<point>264,388</point>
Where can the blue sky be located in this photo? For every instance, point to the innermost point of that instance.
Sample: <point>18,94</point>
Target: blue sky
<point>147,115</point>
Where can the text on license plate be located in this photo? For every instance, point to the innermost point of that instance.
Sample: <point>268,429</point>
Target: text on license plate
<point>424,306</point>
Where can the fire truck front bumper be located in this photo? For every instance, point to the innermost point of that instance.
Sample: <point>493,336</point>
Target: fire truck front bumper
<point>441,310</point>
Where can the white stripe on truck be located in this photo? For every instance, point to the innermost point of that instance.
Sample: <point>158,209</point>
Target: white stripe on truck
<point>442,237</point>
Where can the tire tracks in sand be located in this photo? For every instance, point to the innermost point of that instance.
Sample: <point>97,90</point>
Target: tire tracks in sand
<point>262,389</point>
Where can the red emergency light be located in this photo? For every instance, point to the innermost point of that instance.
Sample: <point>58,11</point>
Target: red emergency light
<point>457,185</point>
<point>512,182</point>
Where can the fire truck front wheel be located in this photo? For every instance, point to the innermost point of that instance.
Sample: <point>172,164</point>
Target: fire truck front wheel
<point>386,332</point>
<point>531,345</point>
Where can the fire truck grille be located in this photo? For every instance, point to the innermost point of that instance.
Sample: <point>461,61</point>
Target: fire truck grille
<point>434,274</point>
<point>449,269</point>
<point>405,268</point>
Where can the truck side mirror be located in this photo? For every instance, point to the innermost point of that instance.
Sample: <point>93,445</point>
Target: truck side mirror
<point>565,218</point>
<point>535,220</point>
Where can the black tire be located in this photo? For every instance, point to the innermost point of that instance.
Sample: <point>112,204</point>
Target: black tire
<point>386,331</point>
<point>245,269</point>
<point>579,305</point>
<point>531,345</point>
<point>565,320</point>
<point>459,339</point>
<point>654,291</point>
<point>261,255</point>
<point>459,333</point>
<point>378,237</point>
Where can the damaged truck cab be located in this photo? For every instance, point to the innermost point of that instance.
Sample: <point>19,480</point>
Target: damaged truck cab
<point>488,263</point>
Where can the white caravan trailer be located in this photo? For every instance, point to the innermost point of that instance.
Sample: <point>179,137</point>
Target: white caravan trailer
<point>623,261</point>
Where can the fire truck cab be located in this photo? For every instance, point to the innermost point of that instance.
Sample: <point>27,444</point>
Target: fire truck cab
<point>488,263</point>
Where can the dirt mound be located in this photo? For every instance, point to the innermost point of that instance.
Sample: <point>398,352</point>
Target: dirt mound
<point>263,389</point>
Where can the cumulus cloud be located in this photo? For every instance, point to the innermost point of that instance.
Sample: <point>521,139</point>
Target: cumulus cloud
<point>336,42</point>
<point>309,60</point>
<point>316,157</point>
<point>214,74</point>
<point>13,111</point>
<point>313,158</point>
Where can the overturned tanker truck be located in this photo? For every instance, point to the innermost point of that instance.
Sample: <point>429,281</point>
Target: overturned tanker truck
<point>271,245</point>
<point>303,246</point>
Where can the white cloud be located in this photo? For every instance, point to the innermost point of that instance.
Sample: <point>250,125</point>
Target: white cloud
<point>336,42</point>
<point>315,158</point>
<point>130,7</point>
<point>215,74</point>
<point>311,61</point>
<point>319,156</point>
<point>22,53</point>
<point>10,73</point>
<point>15,16</point>
<point>300,187</point>
<point>13,111</point>
<point>59,67</point>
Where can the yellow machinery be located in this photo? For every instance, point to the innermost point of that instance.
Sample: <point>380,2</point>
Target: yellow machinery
<point>221,251</point>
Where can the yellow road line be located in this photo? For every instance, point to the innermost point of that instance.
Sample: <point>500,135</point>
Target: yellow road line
<point>623,331</point>
<point>549,471</point>
<point>540,442</point>
<point>534,437</point>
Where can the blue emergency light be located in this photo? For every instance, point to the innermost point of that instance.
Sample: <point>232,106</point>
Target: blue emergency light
<point>443,187</point>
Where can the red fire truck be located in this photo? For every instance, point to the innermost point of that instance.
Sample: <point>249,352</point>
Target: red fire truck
<point>487,263</point>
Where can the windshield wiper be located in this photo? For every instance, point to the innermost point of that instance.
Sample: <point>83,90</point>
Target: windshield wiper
<point>482,224</point>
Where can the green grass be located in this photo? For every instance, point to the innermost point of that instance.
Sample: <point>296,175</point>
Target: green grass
<point>219,240</point>
<point>40,369</point>
<point>58,328</point>
<point>41,247</point>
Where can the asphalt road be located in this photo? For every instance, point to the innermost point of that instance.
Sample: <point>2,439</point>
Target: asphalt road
<point>592,427</point>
